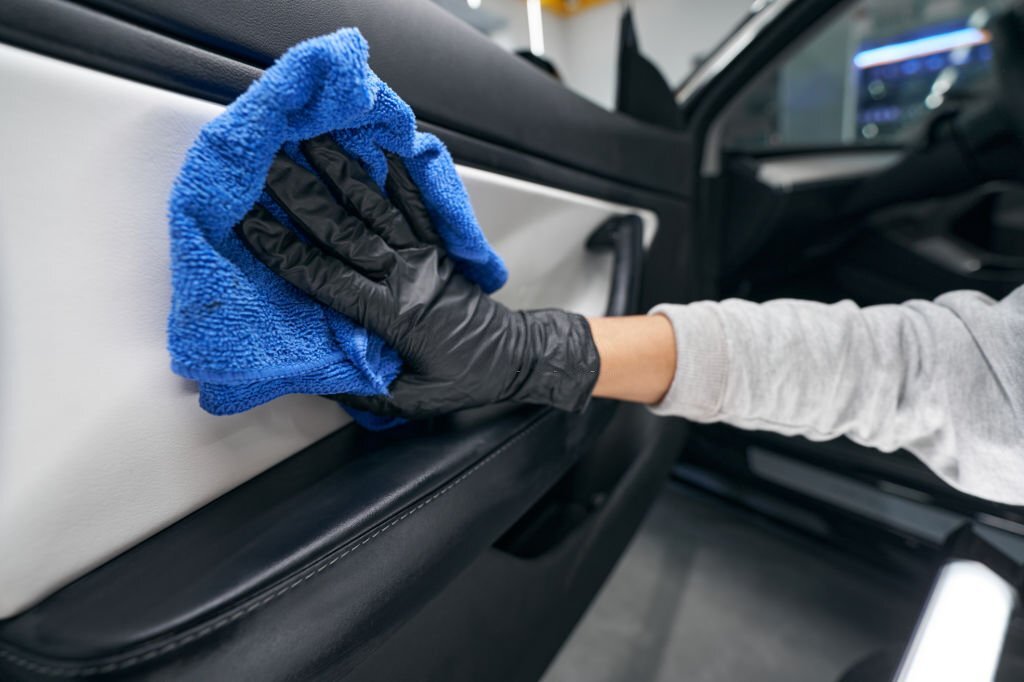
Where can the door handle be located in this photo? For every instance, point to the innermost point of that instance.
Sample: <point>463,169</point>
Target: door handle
<point>624,235</point>
<point>556,516</point>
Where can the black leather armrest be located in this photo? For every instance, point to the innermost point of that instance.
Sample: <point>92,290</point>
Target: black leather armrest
<point>315,561</point>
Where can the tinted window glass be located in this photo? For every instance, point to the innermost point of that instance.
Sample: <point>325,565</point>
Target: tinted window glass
<point>874,75</point>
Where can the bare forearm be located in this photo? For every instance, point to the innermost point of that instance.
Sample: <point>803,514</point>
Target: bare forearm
<point>638,357</point>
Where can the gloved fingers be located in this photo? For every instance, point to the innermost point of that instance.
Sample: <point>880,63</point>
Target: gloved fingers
<point>409,396</point>
<point>313,209</point>
<point>406,196</point>
<point>357,191</point>
<point>329,280</point>
<point>377,404</point>
<point>415,396</point>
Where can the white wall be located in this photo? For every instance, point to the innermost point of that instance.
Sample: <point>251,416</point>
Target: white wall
<point>672,34</point>
<point>584,47</point>
<point>515,35</point>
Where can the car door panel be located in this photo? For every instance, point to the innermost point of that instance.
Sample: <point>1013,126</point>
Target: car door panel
<point>339,559</point>
<point>94,427</point>
<point>435,61</point>
<point>427,56</point>
<point>531,128</point>
<point>319,554</point>
<point>108,280</point>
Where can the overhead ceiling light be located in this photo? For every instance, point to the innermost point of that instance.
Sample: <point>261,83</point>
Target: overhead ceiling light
<point>535,23</point>
<point>473,4</point>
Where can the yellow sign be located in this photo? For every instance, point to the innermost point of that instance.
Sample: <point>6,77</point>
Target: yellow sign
<point>569,7</point>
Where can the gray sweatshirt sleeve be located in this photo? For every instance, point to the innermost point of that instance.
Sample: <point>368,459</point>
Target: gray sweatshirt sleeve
<point>943,379</point>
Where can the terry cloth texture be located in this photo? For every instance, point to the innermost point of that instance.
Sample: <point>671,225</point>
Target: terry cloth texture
<point>245,335</point>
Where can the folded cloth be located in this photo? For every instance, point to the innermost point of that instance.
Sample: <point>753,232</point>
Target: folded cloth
<point>245,335</point>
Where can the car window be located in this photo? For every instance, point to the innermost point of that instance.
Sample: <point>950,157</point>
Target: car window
<point>873,75</point>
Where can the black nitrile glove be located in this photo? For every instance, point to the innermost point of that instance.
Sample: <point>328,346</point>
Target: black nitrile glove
<point>380,262</point>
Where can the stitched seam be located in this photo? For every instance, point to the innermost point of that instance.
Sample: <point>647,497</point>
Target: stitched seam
<point>55,671</point>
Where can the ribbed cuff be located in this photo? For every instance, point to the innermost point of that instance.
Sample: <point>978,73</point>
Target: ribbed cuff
<point>702,362</point>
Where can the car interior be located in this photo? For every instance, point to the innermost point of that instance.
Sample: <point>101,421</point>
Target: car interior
<point>920,203</point>
<point>903,185</point>
<point>143,539</point>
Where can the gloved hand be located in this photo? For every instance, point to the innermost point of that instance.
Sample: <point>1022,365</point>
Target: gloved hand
<point>380,262</point>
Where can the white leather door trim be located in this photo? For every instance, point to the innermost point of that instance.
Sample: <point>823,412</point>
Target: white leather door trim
<point>100,444</point>
<point>540,232</point>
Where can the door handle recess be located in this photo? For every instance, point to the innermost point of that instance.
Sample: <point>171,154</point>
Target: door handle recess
<point>624,235</point>
<point>583,490</point>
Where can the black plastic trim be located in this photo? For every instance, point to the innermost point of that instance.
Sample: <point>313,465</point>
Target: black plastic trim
<point>624,235</point>
<point>505,618</point>
<point>84,36</point>
<point>444,69</point>
<point>372,524</point>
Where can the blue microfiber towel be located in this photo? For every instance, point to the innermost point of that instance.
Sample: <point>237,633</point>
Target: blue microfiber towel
<point>245,335</point>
